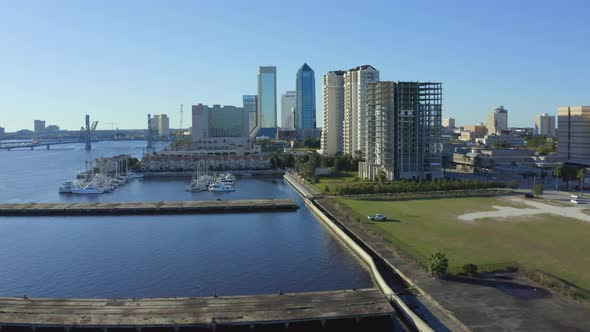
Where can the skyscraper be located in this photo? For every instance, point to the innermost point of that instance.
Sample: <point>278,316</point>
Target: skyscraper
<point>497,121</point>
<point>251,108</point>
<point>403,130</point>
<point>545,124</point>
<point>161,124</point>
<point>267,97</point>
<point>448,122</point>
<point>354,130</point>
<point>39,126</point>
<point>305,117</point>
<point>288,102</point>
<point>333,104</point>
<point>573,135</point>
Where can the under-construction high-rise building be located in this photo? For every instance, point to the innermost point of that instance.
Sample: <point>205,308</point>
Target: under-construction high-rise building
<point>403,128</point>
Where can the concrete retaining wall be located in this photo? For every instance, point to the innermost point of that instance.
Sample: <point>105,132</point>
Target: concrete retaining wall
<point>410,316</point>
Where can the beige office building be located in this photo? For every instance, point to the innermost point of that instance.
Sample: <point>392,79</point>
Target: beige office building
<point>497,121</point>
<point>573,135</point>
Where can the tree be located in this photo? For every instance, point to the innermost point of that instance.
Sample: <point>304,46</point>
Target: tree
<point>513,184</point>
<point>581,175</point>
<point>538,189</point>
<point>381,177</point>
<point>557,175</point>
<point>568,173</point>
<point>438,265</point>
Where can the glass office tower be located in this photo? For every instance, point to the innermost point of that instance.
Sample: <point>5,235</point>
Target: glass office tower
<point>305,113</point>
<point>267,96</point>
<point>251,107</point>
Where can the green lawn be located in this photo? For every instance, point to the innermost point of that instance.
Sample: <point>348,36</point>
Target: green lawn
<point>549,242</point>
<point>345,177</point>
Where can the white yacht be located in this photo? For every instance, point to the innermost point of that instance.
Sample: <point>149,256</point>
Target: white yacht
<point>197,186</point>
<point>220,187</point>
<point>66,187</point>
<point>87,189</point>
<point>131,175</point>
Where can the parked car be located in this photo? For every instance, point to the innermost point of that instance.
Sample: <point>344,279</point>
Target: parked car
<point>378,217</point>
<point>574,196</point>
<point>574,201</point>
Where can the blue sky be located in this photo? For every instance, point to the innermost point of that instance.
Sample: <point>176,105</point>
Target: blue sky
<point>119,60</point>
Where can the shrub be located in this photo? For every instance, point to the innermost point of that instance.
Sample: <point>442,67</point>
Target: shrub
<point>470,270</point>
<point>538,189</point>
<point>513,184</point>
<point>438,265</point>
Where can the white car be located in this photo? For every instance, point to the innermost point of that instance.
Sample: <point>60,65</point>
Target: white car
<point>574,201</point>
<point>575,196</point>
<point>379,217</point>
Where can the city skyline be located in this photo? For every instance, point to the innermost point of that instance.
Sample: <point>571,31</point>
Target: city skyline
<point>117,67</point>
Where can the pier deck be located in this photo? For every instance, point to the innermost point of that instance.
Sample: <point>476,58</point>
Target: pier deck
<point>195,311</point>
<point>135,208</point>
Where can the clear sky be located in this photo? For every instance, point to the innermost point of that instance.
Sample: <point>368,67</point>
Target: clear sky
<point>118,60</point>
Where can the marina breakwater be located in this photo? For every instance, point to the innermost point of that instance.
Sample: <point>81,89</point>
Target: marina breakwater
<point>147,208</point>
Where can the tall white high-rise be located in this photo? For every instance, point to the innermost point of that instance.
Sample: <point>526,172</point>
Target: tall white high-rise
<point>545,124</point>
<point>288,104</point>
<point>333,105</point>
<point>354,130</point>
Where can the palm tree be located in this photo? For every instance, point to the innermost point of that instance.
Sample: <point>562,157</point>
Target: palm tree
<point>581,175</point>
<point>557,175</point>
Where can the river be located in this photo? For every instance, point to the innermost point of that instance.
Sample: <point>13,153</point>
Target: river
<point>159,256</point>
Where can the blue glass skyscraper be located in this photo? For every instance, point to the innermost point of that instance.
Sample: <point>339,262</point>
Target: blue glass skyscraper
<point>305,109</point>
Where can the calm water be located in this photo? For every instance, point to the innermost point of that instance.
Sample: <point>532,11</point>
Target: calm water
<point>157,256</point>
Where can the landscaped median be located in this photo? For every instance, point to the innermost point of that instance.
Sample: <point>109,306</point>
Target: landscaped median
<point>421,227</point>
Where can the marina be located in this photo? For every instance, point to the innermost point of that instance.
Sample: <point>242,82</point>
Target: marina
<point>161,256</point>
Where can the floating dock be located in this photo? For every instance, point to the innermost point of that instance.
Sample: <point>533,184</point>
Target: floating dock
<point>249,311</point>
<point>147,208</point>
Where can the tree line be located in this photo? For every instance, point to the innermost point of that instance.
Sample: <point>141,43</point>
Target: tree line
<point>404,186</point>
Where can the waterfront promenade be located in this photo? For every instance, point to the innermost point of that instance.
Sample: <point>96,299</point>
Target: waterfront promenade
<point>150,208</point>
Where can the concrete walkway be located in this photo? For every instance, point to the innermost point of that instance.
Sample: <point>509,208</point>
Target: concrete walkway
<point>537,208</point>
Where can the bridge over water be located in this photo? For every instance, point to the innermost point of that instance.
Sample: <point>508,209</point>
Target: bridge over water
<point>47,144</point>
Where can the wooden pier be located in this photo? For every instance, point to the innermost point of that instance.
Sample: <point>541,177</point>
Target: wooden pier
<point>202,312</point>
<point>147,208</point>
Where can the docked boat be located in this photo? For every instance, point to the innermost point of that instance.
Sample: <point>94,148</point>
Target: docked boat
<point>66,187</point>
<point>197,186</point>
<point>131,175</point>
<point>89,189</point>
<point>220,187</point>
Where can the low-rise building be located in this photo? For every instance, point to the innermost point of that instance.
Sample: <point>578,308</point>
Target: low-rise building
<point>510,140</point>
<point>219,127</point>
<point>211,160</point>
<point>2,131</point>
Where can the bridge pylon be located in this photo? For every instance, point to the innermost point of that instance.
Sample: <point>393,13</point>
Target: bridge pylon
<point>87,137</point>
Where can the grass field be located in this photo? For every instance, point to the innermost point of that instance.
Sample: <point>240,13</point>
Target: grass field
<point>551,243</point>
<point>346,177</point>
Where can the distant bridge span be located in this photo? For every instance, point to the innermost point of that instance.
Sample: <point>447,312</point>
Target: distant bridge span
<point>48,144</point>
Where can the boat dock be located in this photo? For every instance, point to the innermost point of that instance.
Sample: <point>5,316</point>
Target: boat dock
<point>147,208</point>
<point>178,314</point>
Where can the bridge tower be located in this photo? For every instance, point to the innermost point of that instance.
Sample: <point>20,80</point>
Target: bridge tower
<point>150,143</point>
<point>87,138</point>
